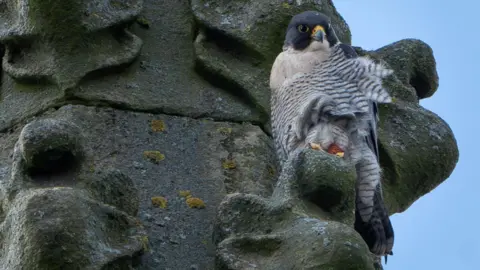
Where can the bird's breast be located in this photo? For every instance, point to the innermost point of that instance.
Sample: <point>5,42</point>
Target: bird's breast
<point>289,63</point>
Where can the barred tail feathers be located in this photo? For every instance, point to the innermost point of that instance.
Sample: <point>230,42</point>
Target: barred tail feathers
<point>368,178</point>
<point>378,231</point>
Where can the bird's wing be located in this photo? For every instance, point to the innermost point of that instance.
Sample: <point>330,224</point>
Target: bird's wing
<point>377,231</point>
<point>372,138</point>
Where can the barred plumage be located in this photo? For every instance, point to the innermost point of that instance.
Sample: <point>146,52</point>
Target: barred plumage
<point>323,93</point>
<point>304,100</point>
<point>333,104</point>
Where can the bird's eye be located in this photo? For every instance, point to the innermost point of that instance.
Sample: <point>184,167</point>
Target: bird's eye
<point>302,28</point>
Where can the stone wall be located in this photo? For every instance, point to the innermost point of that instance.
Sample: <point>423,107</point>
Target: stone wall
<point>135,135</point>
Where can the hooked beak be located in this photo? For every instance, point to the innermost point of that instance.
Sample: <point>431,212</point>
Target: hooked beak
<point>318,33</point>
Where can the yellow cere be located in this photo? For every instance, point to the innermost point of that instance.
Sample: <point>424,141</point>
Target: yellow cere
<point>318,28</point>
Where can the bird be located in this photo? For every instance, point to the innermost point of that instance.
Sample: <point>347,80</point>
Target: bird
<point>324,97</point>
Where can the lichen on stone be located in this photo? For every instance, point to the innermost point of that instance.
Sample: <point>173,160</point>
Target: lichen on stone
<point>225,130</point>
<point>229,164</point>
<point>185,193</point>
<point>194,202</point>
<point>143,22</point>
<point>154,156</point>
<point>159,201</point>
<point>157,125</point>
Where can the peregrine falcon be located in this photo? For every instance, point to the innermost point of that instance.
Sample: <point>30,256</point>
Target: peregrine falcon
<point>324,96</point>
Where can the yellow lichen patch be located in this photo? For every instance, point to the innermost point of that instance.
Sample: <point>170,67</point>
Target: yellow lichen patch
<point>286,5</point>
<point>271,170</point>
<point>225,130</point>
<point>394,100</point>
<point>142,21</point>
<point>157,125</point>
<point>185,193</point>
<point>159,201</point>
<point>144,241</point>
<point>229,164</point>
<point>154,156</point>
<point>193,202</point>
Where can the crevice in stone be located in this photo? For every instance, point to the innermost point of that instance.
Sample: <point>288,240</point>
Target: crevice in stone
<point>2,53</point>
<point>326,198</point>
<point>233,87</point>
<point>234,47</point>
<point>123,107</point>
<point>56,168</point>
<point>387,164</point>
<point>420,83</point>
<point>207,39</point>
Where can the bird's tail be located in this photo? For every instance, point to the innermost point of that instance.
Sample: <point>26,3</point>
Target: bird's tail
<point>378,231</point>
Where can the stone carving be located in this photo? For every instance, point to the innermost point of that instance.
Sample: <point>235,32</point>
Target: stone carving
<point>55,216</point>
<point>149,152</point>
<point>201,158</point>
<point>306,224</point>
<point>59,42</point>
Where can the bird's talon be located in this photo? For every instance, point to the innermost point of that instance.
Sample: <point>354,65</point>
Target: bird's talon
<point>316,146</point>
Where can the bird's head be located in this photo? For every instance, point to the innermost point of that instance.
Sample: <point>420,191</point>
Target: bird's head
<point>310,31</point>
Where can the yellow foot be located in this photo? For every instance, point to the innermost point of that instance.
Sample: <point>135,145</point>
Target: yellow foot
<point>315,146</point>
<point>340,154</point>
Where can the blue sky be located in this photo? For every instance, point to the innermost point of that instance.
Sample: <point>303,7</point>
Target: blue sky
<point>441,229</point>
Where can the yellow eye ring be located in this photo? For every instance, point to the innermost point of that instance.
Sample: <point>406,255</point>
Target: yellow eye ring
<point>302,28</point>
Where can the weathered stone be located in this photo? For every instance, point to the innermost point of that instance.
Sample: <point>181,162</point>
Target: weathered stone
<point>50,221</point>
<point>331,186</point>
<point>418,150</point>
<point>414,65</point>
<point>49,144</point>
<point>289,230</point>
<point>114,188</point>
<point>60,42</point>
<point>114,143</point>
<point>164,77</point>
